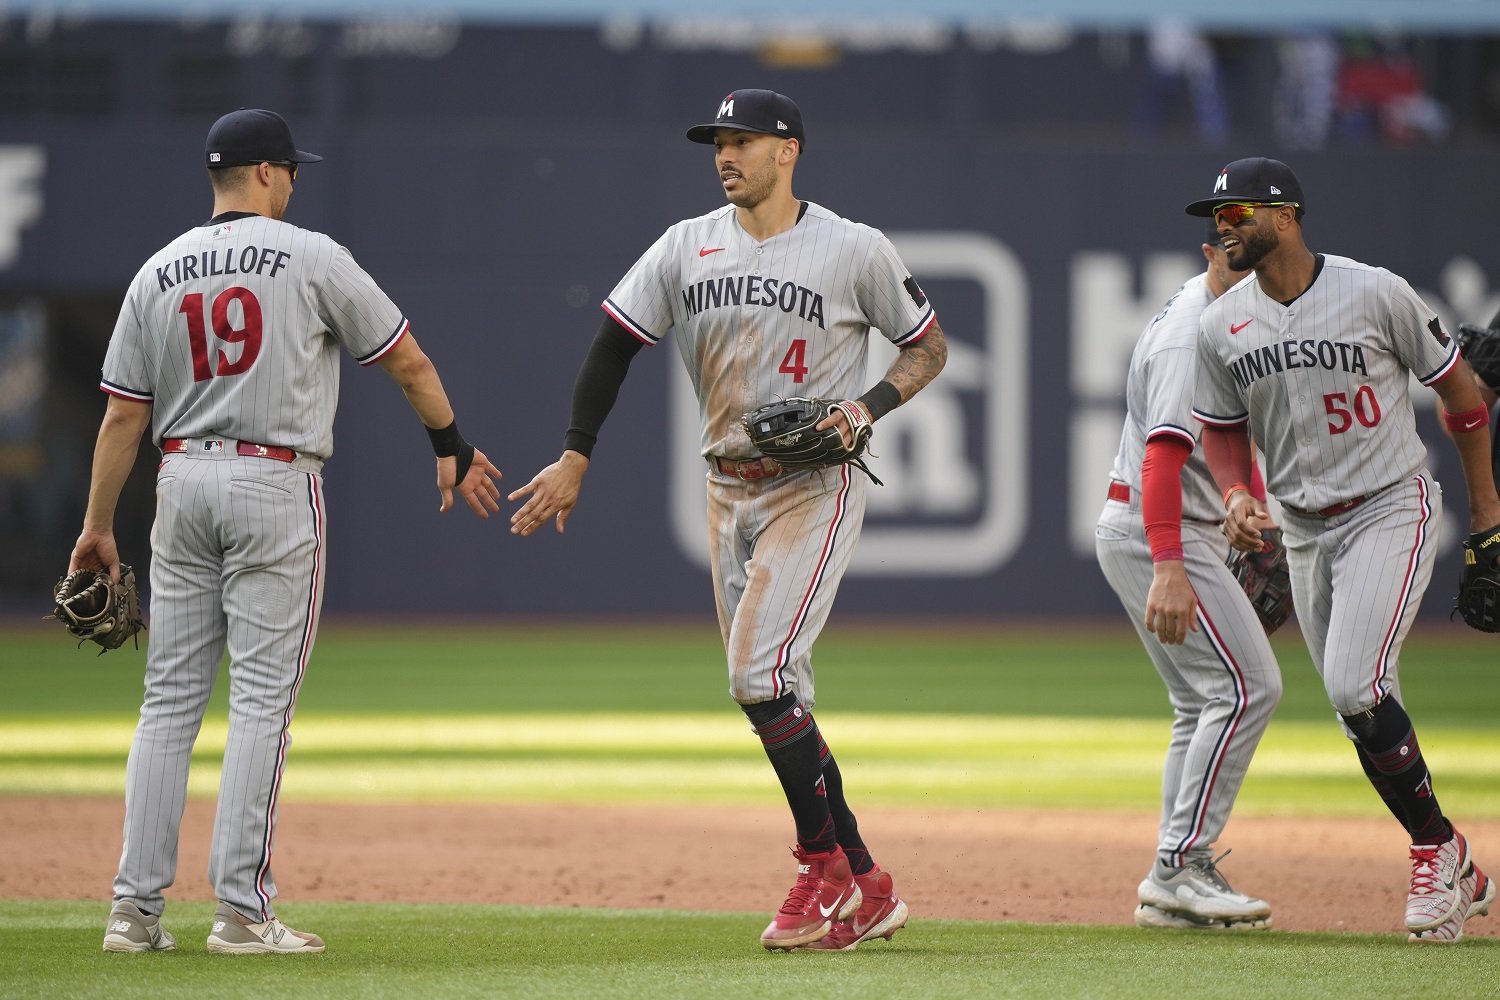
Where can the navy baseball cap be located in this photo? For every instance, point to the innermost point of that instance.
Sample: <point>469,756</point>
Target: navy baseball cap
<point>755,111</point>
<point>251,135</point>
<point>1253,179</point>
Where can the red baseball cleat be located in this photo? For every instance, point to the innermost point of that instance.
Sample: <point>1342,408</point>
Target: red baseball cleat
<point>825,890</point>
<point>881,914</point>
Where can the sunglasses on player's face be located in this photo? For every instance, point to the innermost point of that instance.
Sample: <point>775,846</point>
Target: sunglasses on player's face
<point>290,167</point>
<point>1235,212</point>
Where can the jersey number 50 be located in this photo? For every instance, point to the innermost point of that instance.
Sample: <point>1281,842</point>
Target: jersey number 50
<point>247,335</point>
<point>1366,409</point>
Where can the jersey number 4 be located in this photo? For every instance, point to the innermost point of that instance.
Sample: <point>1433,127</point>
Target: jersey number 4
<point>795,362</point>
<point>247,334</point>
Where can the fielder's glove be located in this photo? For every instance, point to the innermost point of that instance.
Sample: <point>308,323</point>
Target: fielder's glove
<point>1479,584</point>
<point>783,431</point>
<point>1266,578</point>
<point>1481,348</point>
<point>94,608</point>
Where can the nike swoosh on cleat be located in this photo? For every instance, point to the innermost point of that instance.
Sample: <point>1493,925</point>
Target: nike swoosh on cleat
<point>705,251</point>
<point>827,911</point>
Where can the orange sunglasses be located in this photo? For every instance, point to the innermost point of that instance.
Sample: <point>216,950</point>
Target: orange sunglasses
<point>1234,212</point>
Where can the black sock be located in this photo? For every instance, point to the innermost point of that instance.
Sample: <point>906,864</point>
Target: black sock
<point>844,823</point>
<point>1387,738</point>
<point>1383,787</point>
<point>791,740</point>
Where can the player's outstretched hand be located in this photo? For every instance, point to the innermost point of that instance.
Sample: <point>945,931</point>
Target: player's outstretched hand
<point>552,493</point>
<point>478,488</point>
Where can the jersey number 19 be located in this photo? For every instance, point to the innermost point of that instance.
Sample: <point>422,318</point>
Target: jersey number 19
<point>249,334</point>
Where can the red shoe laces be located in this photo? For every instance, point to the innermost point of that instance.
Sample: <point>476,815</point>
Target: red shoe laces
<point>803,893</point>
<point>1423,869</point>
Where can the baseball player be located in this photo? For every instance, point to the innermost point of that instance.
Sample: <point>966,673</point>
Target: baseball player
<point>1160,546</point>
<point>1314,355</point>
<point>1486,374</point>
<point>227,346</point>
<point>770,296</point>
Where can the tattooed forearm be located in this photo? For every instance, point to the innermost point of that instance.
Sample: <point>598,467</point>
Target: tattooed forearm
<point>918,364</point>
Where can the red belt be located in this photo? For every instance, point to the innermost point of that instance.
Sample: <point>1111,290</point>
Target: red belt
<point>755,468</point>
<point>1331,509</point>
<point>246,448</point>
<point>1119,491</point>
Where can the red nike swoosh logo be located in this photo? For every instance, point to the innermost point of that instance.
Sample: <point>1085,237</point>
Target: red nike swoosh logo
<point>1237,327</point>
<point>705,251</point>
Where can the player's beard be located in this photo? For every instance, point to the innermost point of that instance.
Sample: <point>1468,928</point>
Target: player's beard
<point>1253,249</point>
<point>756,184</point>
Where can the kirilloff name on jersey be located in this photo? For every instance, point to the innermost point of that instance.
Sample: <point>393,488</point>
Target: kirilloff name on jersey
<point>250,260</point>
<point>754,290</point>
<point>1289,354</point>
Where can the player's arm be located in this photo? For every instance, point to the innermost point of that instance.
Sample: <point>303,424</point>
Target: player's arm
<point>125,420</point>
<point>1171,603</point>
<point>1230,458</point>
<point>917,364</point>
<point>1467,421</point>
<point>459,465</point>
<point>553,492</point>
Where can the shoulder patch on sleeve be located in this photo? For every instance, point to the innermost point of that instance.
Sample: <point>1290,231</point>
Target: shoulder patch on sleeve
<point>1435,327</point>
<point>915,291</point>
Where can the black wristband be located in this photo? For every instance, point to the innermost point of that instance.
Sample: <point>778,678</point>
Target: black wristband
<point>881,400</point>
<point>446,440</point>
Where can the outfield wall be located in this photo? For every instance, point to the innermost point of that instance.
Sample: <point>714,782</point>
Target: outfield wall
<point>498,189</point>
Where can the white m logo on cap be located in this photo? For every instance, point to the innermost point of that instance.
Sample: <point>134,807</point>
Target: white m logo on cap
<point>1222,184</point>
<point>726,110</point>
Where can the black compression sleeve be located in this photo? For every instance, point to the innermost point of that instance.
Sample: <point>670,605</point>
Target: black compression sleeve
<point>598,384</point>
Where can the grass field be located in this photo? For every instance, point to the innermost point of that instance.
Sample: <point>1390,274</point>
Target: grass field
<point>555,714</point>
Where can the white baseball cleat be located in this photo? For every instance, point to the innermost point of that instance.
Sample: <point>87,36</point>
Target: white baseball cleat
<point>1475,894</point>
<point>1436,871</point>
<point>233,934</point>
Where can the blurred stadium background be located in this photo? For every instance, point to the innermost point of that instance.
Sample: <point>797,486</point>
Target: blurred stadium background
<point>497,166</point>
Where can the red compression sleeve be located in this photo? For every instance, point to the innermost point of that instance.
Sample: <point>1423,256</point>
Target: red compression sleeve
<point>1227,452</point>
<point>1161,495</point>
<point>1257,484</point>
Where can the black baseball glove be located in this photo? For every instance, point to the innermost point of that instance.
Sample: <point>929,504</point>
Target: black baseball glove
<point>94,608</point>
<point>1481,348</point>
<point>1479,583</point>
<point>1266,578</point>
<point>783,431</point>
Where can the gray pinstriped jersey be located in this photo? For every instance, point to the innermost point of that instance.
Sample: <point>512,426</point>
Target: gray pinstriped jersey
<point>1325,381</point>
<point>754,321</point>
<point>1159,398</point>
<point>233,330</point>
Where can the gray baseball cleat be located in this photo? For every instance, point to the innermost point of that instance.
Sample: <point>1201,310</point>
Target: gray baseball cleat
<point>130,929</point>
<point>1199,890</point>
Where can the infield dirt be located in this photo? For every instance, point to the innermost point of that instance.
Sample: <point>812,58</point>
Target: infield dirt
<point>1065,867</point>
